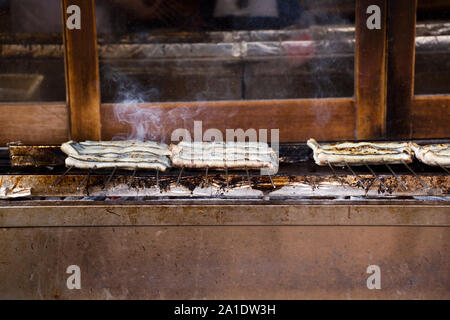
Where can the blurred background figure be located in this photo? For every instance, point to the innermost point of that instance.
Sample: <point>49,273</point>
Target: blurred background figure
<point>255,14</point>
<point>122,16</point>
<point>249,8</point>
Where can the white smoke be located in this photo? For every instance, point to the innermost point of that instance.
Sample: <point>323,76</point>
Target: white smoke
<point>143,123</point>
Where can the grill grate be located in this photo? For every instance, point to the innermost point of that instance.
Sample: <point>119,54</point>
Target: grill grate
<point>295,179</point>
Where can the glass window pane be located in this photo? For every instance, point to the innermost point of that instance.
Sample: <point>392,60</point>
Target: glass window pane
<point>432,65</point>
<point>31,51</point>
<point>201,50</point>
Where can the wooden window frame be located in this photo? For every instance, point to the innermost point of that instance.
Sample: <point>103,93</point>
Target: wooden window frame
<point>410,116</point>
<point>370,114</point>
<point>82,73</point>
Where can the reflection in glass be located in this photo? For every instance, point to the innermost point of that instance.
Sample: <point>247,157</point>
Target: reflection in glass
<point>31,52</point>
<point>200,50</point>
<point>432,61</point>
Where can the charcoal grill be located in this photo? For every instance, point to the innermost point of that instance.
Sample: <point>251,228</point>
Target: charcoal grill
<point>319,220</point>
<point>298,178</point>
<point>307,232</point>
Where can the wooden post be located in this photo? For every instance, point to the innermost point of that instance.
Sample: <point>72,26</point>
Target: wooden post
<point>82,72</point>
<point>401,48</point>
<point>370,75</point>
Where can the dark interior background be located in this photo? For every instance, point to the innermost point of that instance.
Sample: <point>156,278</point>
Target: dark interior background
<point>180,50</point>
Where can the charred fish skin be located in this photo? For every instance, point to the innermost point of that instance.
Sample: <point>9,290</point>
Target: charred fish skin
<point>74,148</point>
<point>127,143</point>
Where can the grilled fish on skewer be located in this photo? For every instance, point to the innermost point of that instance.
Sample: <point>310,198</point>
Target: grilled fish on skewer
<point>72,148</point>
<point>361,153</point>
<point>80,164</point>
<point>128,155</point>
<point>221,155</point>
<point>436,154</point>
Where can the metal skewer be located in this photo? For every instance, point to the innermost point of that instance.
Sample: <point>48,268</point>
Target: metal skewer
<point>415,174</point>
<point>226,174</point>
<point>376,176</point>
<point>335,174</point>
<point>357,177</point>
<point>132,178</point>
<point>271,181</point>
<point>157,178</point>
<point>397,177</point>
<point>60,177</point>
<point>179,177</point>
<point>248,178</point>
<point>84,180</point>
<point>206,177</point>
<point>110,178</point>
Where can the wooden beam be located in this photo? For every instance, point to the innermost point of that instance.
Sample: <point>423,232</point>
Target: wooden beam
<point>82,73</point>
<point>370,75</point>
<point>431,117</point>
<point>45,123</point>
<point>401,51</point>
<point>297,120</point>
<point>331,119</point>
<point>433,6</point>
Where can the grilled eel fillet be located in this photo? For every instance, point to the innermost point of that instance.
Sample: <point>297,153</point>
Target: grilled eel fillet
<point>360,153</point>
<point>221,155</point>
<point>435,154</point>
<point>121,154</point>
